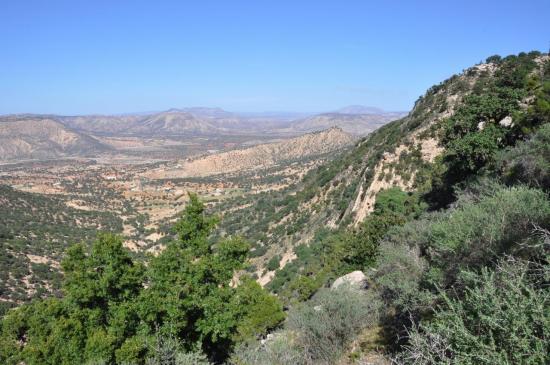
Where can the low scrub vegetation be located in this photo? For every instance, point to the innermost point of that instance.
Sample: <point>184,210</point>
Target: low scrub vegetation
<point>116,310</point>
<point>316,332</point>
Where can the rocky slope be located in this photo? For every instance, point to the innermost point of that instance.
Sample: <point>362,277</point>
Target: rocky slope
<point>262,156</point>
<point>342,193</point>
<point>42,138</point>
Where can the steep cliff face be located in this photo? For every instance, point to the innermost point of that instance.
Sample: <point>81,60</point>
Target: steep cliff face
<point>419,139</point>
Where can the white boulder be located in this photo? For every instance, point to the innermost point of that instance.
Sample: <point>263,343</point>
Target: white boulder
<point>355,279</point>
<point>506,121</point>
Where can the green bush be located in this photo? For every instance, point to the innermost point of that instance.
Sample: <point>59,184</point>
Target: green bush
<point>397,275</point>
<point>474,234</point>
<point>503,318</point>
<point>168,351</point>
<point>281,349</point>
<point>330,320</point>
<point>274,263</point>
<point>529,161</point>
<point>317,331</point>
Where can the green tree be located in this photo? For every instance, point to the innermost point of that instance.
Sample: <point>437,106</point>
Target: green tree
<point>90,322</point>
<point>189,294</point>
<point>106,276</point>
<point>257,310</point>
<point>115,311</point>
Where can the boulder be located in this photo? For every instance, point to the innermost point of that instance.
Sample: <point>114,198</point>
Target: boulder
<point>506,122</point>
<point>355,279</point>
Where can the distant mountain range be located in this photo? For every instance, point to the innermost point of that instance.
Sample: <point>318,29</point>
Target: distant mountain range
<point>33,136</point>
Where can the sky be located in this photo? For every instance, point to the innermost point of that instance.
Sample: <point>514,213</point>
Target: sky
<point>116,56</point>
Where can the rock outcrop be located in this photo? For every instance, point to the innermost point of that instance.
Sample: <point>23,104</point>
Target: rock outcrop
<point>355,279</point>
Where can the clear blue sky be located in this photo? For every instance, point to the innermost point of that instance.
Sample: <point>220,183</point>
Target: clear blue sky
<point>76,57</point>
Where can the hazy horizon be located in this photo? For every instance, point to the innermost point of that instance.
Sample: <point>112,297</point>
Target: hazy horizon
<point>237,112</point>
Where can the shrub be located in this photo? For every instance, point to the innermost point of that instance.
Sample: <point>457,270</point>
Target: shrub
<point>397,275</point>
<point>493,59</point>
<point>476,233</point>
<point>327,323</point>
<point>273,263</point>
<point>281,349</point>
<point>502,319</point>
<point>529,162</point>
<point>258,310</point>
<point>168,351</point>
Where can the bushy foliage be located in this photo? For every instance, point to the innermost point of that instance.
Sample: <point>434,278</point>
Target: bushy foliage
<point>423,257</point>
<point>257,311</point>
<point>168,351</point>
<point>105,276</point>
<point>502,318</point>
<point>397,276</point>
<point>330,320</point>
<point>486,222</point>
<point>472,235</point>
<point>114,310</point>
<point>529,161</point>
<point>317,331</point>
<point>279,349</point>
<point>273,263</point>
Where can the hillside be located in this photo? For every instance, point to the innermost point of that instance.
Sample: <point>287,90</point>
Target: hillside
<point>35,231</point>
<point>440,215</point>
<point>42,138</point>
<point>261,156</point>
<point>405,153</point>
<point>172,122</point>
<point>102,124</point>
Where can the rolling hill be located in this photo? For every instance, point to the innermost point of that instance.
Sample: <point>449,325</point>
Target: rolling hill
<point>261,156</point>
<point>43,138</point>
